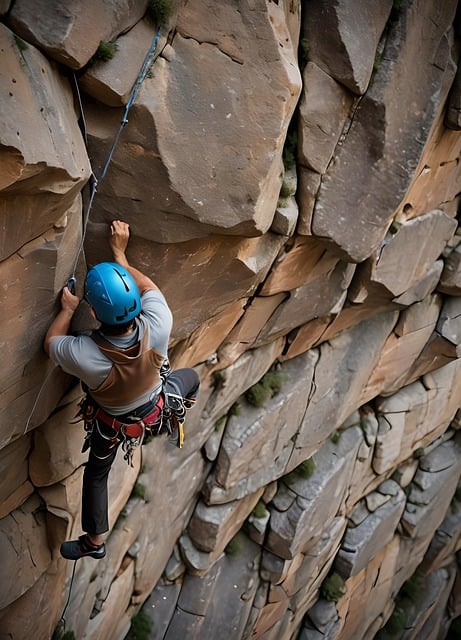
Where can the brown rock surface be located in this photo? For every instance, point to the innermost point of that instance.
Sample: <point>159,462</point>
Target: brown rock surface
<point>362,183</point>
<point>30,386</point>
<point>212,528</point>
<point>57,444</point>
<point>334,31</point>
<point>15,486</point>
<point>324,108</point>
<point>104,82</point>
<point>363,541</point>
<point>411,333</point>
<point>293,527</point>
<point>408,255</point>
<point>71,33</point>
<point>450,281</point>
<point>226,145</point>
<point>25,552</point>
<point>239,146</point>
<point>44,162</point>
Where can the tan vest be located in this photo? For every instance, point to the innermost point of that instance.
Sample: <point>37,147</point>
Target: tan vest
<point>134,371</point>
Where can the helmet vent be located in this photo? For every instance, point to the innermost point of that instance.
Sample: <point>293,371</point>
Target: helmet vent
<point>127,288</point>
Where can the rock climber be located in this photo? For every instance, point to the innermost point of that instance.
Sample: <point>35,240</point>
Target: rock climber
<point>123,367</point>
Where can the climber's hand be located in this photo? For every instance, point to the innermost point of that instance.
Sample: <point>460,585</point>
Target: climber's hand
<point>69,302</point>
<point>120,234</point>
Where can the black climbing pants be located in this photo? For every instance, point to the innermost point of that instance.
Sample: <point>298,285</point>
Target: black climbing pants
<point>103,449</point>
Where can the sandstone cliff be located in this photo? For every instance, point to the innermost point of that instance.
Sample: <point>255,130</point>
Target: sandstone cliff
<point>291,173</point>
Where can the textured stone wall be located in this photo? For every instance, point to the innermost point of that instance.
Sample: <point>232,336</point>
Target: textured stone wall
<point>291,173</point>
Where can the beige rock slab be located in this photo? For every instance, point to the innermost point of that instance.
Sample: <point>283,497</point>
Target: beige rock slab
<point>436,178</point>
<point>409,254</point>
<point>300,261</point>
<point>344,366</point>
<point>403,347</point>
<point>72,33</point>
<point>324,293</point>
<point>24,410</point>
<point>84,596</point>
<point>437,353</point>
<point>343,38</point>
<point>122,541</point>
<point>323,111</point>
<point>285,218</point>
<point>15,487</point>
<point>30,386</point>
<point>105,82</point>
<point>36,612</point>
<point>212,527</point>
<point>308,187</point>
<point>373,585</point>
<point>450,281</point>
<point>353,314</point>
<point>44,163</point>
<point>25,555</point>
<point>444,393</point>
<point>305,337</point>
<point>57,447</point>
<point>362,188</point>
<point>245,333</point>
<point>105,624</point>
<point>214,163</point>
<point>269,616</point>
<point>205,341</point>
<point>172,479</point>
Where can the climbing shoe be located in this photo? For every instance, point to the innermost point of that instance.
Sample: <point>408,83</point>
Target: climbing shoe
<point>82,548</point>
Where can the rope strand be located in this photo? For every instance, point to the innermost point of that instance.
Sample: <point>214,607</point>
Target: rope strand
<point>62,622</point>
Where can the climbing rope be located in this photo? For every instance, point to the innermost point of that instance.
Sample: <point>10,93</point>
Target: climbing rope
<point>132,97</point>
<point>61,626</point>
<point>94,181</point>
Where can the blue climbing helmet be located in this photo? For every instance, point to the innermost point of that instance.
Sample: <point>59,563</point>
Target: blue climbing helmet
<point>113,293</point>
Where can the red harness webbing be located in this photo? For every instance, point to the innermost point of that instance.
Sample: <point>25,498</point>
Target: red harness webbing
<point>132,429</point>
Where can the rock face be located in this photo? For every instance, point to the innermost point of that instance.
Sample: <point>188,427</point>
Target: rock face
<point>291,179</point>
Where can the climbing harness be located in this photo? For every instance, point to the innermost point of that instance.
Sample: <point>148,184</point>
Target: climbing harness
<point>166,415</point>
<point>94,183</point>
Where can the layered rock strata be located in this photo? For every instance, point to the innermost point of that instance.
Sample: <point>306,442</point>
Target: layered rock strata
<point>291,176</point>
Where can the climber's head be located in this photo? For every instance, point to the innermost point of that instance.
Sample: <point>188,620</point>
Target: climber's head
<point>113,294</point>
